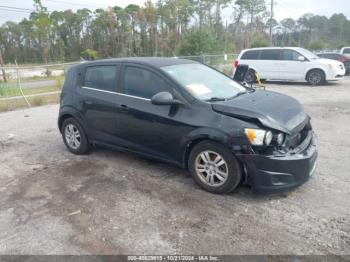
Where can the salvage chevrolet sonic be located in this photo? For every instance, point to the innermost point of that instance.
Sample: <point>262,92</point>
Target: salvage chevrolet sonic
<point>188,114</point>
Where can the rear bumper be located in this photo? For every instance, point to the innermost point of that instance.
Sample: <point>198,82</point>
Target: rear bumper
<point>276,173</point>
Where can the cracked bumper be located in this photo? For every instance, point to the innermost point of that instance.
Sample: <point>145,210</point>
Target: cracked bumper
<point>277,173</point>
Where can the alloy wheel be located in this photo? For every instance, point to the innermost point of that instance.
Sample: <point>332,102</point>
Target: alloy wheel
<point>211,168</point>
<point>315,78</point>
<point>72,136</point>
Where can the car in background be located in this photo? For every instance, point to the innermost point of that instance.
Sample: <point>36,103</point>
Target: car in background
<point>345,50</point>
<point>289,64</point>
<point>339,57</point>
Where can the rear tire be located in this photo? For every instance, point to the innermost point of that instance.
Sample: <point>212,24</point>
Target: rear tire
<point>315,77</point>
<point>214,168</point>
<point>250,77</point>
<point>74,137</point>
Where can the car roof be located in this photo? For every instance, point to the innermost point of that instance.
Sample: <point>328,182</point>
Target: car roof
<point>329,53</point>
<point>273,47</point>
<point>152,61</point>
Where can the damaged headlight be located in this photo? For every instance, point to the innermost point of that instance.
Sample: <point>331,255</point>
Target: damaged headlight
<point>280,139</point>
<point>258,137</point>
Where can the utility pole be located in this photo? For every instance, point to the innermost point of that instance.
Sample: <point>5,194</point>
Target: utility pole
<point>2,67</point>
<point>271,21</point>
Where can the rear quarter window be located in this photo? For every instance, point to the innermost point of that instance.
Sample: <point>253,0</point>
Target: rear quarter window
<point>250,55</point>
<point>71,78</point>
<point>102,77</point>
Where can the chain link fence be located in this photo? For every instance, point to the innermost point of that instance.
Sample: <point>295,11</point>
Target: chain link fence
<point>35,85</point>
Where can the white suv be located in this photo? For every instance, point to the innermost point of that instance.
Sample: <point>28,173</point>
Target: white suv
<point>291,64</point>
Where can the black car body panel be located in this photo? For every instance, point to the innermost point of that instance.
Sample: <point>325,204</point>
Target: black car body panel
<point>168,132</point>
<point>276,173</point>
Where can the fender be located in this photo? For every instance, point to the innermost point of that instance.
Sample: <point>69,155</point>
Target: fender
<point>67,110</point>
<point>198,135</point>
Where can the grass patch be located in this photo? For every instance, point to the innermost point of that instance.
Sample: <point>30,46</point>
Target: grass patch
<point>14,91</point>
<point>11,89</point>
<point>13,104</point>
<point>59,82</point>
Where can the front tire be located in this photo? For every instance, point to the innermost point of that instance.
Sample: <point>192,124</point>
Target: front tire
<point>214,168</point>
<point>315,77</point>
<point>74,137</point>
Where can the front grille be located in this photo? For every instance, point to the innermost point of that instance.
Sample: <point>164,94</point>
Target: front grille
<point>294,140</point>
<point>297,138</point>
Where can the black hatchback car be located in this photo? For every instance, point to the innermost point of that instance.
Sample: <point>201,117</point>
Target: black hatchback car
<point>191,115</point>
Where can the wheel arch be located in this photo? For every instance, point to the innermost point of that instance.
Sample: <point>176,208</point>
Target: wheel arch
<point>316,69</point>
<point>67,112</point>
<point>213,135</point>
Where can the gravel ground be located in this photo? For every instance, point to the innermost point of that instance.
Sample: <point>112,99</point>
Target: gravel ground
<point>109,202</point>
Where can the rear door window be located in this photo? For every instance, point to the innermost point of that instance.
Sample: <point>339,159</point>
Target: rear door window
<point>102,77</point>
<point>270,54</point>
<point>250,55</point>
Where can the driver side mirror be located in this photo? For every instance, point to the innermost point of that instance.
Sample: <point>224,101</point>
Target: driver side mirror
<point>165,98</point>
<point>301,58</point>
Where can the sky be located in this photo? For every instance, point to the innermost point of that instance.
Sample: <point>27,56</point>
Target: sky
<point>283,8</point>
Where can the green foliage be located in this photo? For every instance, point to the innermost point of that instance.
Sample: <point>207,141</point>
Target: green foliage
<point>260,42</point>
<point>161,28</point>
<point>89,54</point>
<point>317,45</point>
<point>196,43</point>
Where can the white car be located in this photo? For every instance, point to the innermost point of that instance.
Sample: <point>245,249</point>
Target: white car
<point>345,50</point>
<point>289,64</point>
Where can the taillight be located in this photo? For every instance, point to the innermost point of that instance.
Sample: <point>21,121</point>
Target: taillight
<point>236,63</point>
<point>343,59</point>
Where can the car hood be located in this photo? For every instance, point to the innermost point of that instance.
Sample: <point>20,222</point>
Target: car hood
<point>271,109</point>
<point>326,61</point>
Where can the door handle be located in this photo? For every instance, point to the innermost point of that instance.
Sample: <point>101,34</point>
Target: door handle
<point>124,108</point>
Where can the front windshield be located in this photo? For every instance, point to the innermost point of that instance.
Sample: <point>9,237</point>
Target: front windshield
<point>203,82</point>
<point>308,54</point>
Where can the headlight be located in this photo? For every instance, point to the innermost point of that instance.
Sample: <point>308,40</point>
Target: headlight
<point>280,139</point>
<point>258,137</point>
<point>332,66</point>
<point>268,138</point>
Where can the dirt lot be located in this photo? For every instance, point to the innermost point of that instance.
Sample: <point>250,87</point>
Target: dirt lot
<point>109,202</point>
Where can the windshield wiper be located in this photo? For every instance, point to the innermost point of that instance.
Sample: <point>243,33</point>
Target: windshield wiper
<point>215,99</point>
<point>238,94</point>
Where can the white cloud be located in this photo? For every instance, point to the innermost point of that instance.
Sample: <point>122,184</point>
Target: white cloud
<point>296,8</point>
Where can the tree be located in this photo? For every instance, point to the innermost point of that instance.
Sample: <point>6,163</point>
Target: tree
<point>89,54</point>
<point>317,45</point>
<point>162,28</point>
<point>195,43</point>
<point>41,22</point>
<point>260,42</point>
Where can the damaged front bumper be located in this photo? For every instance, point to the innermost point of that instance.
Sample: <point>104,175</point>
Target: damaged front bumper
<point>280,172</point>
